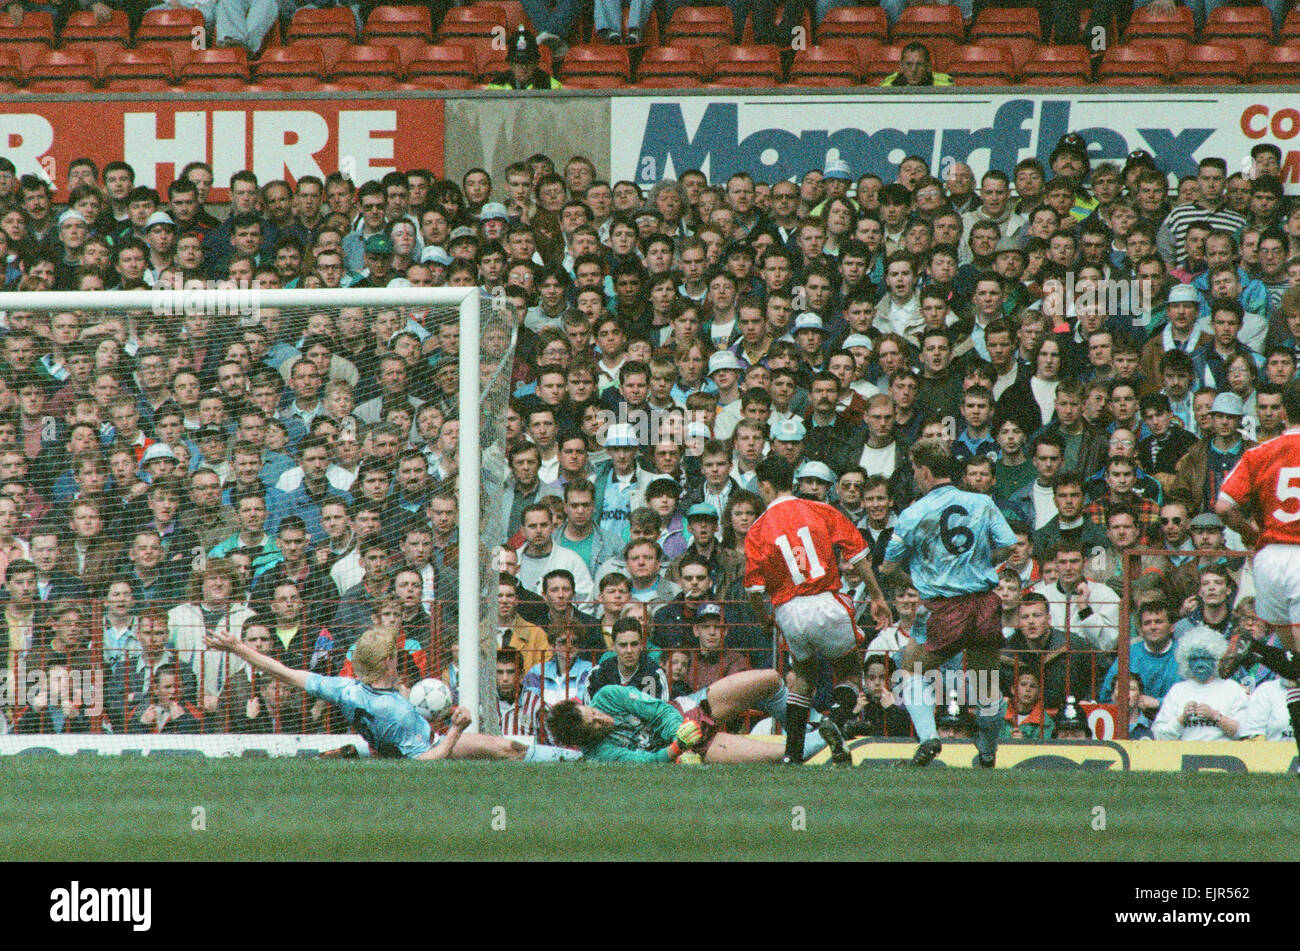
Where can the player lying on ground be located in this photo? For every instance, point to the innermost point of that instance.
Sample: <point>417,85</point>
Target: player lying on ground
<point>792,554</point>
<point>373,706</point>
<point>624,725</point>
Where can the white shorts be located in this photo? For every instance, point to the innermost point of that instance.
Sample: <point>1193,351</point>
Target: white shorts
<point>819,625</point>
<point>1276,571</point>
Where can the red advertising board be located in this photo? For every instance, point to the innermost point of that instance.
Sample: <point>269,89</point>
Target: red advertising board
<point>275,138</point>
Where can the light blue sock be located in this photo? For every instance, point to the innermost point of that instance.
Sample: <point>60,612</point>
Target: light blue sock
<point>918,697</point>
<point>774,706</point>
<point>540,753</point>
<point>812,745</point>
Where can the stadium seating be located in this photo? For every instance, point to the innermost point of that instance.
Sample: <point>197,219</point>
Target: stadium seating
<point>938,27</point>
<point>700,26</point>
<point>332,29</point>
<point>597,67</point>
<point>1250,28</point>
<point>1211,65</point>
<point>1280,64</point>
<point>828,64</point>
<point>1016,30</point>
<point>982,66</point>
<point>1176,32</point>
<point>476,24</point>
<point>224,69</point>
<point>29,41</point>
<point>406,29</point>
<point>1057,66</point>
<point>745,66</point>
<point>142,70</point>
<point>1137,65</point>
<point>11,71</point>
<point>82,31</point>
<point>377,67</point>
<point>299,67</point>
<point>853,23</point>
<point>62,71</point>
<point>1290,32</point>
<point>442,62</point>
<point>671,67</point>
<point>172,29</point>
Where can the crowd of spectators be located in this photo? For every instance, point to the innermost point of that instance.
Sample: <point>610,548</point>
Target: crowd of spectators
<point>1097,343</point>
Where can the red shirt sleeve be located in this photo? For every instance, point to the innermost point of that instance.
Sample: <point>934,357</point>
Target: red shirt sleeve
<point>754,550</point>
<point>843,534</point>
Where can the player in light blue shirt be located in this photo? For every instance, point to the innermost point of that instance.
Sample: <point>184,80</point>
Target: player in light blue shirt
<point>373,706</point>
<point>949,540</point>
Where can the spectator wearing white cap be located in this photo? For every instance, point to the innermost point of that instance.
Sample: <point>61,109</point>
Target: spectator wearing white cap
<point>809,335</point>
<point>1205,466</point>
<point>73,232</point>
<point>621,482</point>
<point>726,371</point>
<point>493,221</point>
<point>160,235</point>
<point>836,178</point>
<point>813,480</point>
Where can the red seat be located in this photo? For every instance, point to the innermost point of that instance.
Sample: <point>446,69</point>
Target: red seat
<point>83,31</point>
<point>489,60</point>
<point>1290,32</point>
<point>747,66</point>
<point>438,82</point>
<point>173,29</point>
<point>516,16</point>
<point>1251,27</point>
<point>700,22</point>
<point>30,40</point>
<point>1211,65</point>
<point>938,27</point>
<point>885,62</point>
<point>1007,21</point>
<point>853,23</point>
<point>72,70</point>
<point>406,29</point>
<point>1057,66</point>
<point>827,64</point>
<point>1175,31</point>
<point>380,64</point>
<point>443,61</point>
<point>597,60</point>
<point>1016,30</point>
<point>333,29</point>
<point>474,22</point>
<point>223,69</point>
<point>1280,64</point>
<point>140,70</point>
<point>980,65</point>
<point>671,67</point>
<point>1133,65</point>
<point>11,71</point>
<point>295,66</point>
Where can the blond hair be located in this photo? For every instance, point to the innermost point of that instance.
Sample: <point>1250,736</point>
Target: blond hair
<point>375,648</point>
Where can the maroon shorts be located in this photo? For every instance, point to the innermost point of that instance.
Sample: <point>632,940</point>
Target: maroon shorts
<point>966,621</point>
<point>690,710</point>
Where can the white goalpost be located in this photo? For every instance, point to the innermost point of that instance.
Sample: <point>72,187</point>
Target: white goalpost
<point>233,310</point>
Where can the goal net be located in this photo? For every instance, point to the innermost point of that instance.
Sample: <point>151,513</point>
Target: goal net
<point>314,461</point>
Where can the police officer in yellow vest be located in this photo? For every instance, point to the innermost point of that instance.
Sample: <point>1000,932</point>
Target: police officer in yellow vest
<point>523,71</point>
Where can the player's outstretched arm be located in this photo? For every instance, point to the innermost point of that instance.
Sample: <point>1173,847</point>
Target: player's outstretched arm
<point>460,719</point>
<point>880,612</point>
<point>226,641</point>
<point>1236,519</point>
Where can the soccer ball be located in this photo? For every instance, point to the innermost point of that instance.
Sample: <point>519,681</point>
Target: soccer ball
<point>432,698</point>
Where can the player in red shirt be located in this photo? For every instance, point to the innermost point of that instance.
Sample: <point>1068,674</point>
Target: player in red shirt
<point>791,554</point>
<point>1260,500</point>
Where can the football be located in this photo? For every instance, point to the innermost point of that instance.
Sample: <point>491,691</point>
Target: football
<point>432,698</point>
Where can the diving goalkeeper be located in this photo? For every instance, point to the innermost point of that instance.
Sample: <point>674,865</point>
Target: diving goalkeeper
<point>624,725</point>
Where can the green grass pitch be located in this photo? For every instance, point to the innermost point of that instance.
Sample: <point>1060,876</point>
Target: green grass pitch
<point>62,808</point>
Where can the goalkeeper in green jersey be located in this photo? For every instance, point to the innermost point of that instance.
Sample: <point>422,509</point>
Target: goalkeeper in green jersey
<point>624,725</point>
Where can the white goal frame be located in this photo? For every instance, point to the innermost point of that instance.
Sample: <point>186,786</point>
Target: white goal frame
<point>469,457</point>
